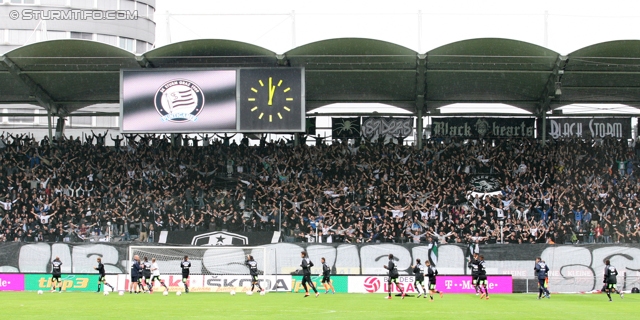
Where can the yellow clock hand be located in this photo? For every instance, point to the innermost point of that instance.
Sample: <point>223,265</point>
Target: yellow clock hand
<point>272,90</point>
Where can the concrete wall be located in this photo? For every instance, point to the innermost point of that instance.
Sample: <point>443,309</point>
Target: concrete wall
<point>142,28</point>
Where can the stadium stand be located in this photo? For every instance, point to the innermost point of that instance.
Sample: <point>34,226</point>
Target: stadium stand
<point>569,191</point>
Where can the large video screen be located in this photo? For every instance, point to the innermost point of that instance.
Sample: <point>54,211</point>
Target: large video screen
<point>212,100</point>
<point>178,101</point>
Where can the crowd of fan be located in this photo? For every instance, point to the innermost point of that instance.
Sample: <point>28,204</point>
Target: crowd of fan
<point>569,191</point>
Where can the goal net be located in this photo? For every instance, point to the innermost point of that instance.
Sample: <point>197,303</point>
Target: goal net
<point>213,269</point>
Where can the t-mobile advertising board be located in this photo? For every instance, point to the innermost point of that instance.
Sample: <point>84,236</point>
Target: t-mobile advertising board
<point>11,282</point>
<point>446,284</point>
<point>462,284</point>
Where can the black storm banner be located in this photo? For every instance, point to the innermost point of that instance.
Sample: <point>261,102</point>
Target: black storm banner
<point>345,128</point>
<point>483,127</point>
<point>589,128</point>
<point>372,128</point>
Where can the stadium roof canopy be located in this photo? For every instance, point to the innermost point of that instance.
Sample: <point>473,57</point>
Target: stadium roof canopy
<point>66,75</point>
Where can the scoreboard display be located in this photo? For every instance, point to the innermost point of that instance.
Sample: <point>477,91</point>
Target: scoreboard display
<point>212,100</point>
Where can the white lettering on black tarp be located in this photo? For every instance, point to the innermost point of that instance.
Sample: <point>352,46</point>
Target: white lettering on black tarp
<point>619,128</point>
<point>372,128</point>
<point>483,127</point>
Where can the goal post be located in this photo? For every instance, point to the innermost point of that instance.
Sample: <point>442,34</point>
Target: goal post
<point>213,269</point>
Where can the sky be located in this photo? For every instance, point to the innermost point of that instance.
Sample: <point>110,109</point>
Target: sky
<point>560,25</point>
<point>284,24</point>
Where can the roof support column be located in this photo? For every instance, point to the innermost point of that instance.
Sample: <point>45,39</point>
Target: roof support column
<point>50,127</point>
<point>421,88</point>
<point>544,128</point>
<point>419,126</point>
<point>552,90</point>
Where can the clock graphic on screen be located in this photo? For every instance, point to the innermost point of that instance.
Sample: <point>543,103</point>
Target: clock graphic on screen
<point>269,99</point>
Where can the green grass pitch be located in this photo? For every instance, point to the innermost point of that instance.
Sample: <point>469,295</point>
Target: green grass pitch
<point>82,305</point>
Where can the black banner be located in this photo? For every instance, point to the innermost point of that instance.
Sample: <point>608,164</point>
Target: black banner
<point>342,128</point>
<point>217,238</point>
<point>374,127</point>
<point>485,182</point>
<point>311,126</point>
<point>483,127</point>
<point>589,128</point>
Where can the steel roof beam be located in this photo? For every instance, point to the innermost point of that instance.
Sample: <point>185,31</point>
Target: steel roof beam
<point>43,98</point>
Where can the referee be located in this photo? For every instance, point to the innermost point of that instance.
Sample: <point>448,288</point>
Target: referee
<point>135,275</point>
<point>542,270</point>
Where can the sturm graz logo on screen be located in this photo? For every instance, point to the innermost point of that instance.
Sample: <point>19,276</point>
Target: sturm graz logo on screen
<point>179,100</point>
<point>484,183</point>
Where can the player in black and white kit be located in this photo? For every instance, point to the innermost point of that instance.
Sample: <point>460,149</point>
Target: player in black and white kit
<point>253,271</point>
<point>475,278</point>
<point>393,277</point>
<point>146,274</point>
<point>432,272</point>
<point>185,265</point>
<point>102,276</point>
<point>326,277</point>
<point>418,272</point>
<point>155,275</point>
<point>482,278</point>
<point>306,265</point>
<point>56,273</point>
<point>610,279</point>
